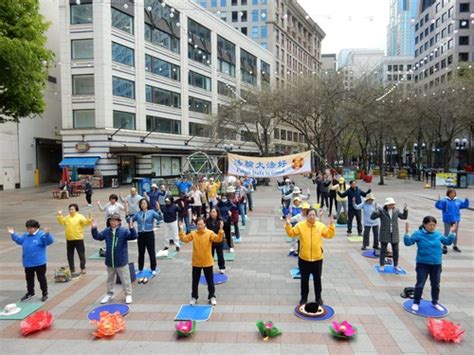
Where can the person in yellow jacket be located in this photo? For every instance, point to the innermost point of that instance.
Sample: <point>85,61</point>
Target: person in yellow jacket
<point>74,224</point>
<point>202,239</point>
<point>310,258</point>
<point>212,190</point>
<point>341,202</point>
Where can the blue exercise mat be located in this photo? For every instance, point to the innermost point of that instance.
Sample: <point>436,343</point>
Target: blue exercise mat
<point>341,225</point>
<point>389,269</point>
<point>370,254</point>
<point>199,313</point>
<point>146,273</point>
<point>111,308</point>
<point>218,279</point>
<point>426,309</point>
<point>237,240</point>
<point>329,314</point>
<point>295,273</point>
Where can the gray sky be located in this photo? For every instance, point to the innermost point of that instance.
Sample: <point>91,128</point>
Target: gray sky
<point>350,23</point>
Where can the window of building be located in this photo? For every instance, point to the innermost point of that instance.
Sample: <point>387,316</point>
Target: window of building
<point>225,89</point>
<point>199,129</point>
<point>226,67</point>
<point>234,2</point>
<point>263,31</point>
<point>223,3</point>
<point>276,133</point>
<point>123,87</point>
<point>126,120</point>
<point>438,21</point>
<point>450,28</point>
<point>248,67</point>
<point>463,40</point>
<point>244,30</point>
<point>83,84</point>
<point>82,49</point>
<point>463,24</point>
<point>432,27</point>
<point>243,16</point>
<point>224,16</point>
<point>83,118</point>
<point>283,134</point>
<point>266,70</point>
<point>213,3</point>
<point>235,16</point>
<point>162,67</point>
<point>254,34</point>
<point>163,125</point>
<point>264,45</point>
<point>243,2</point>
<point>451,12</point>
<point>122,54</point>
<point>162,97</point>
<point>122,21</point>
<point>199,80</point>
<point>199,105</point>
<point>463,57</point>
<point>255,16</point>
<point>81,14</point>
<point>450,44</point>
<point>464,7</point>
<point>203,3</point>
<point>161,38</point>
<point>199,48</point>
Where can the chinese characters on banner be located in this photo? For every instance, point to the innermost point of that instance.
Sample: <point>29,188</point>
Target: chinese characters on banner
<point>269,166</point>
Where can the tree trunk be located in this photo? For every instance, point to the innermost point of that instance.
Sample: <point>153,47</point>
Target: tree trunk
<point>381,162</point>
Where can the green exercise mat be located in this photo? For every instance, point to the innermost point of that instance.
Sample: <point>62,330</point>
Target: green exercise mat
<point>96,256</point>
<point>26,310</point>
<point>171,256</point>
<point>355,239</point>
<point>227,256</point>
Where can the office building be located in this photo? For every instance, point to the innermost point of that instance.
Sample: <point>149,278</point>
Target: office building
<point>356,62</point>
<point>395,70</point>
<point>329,63</point>
<point>401,28</point>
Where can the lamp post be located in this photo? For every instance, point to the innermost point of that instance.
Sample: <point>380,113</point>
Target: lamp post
<point>228,148</point>
<point>418,147</point>
<point>460,148</point>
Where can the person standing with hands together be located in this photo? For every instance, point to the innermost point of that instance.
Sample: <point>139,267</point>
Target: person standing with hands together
<point>428,258</point>
<point>202,259</point>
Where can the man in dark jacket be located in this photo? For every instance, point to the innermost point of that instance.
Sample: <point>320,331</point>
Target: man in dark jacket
<point>170,210</point>
<point>353,195</point>
<point>116,258</point>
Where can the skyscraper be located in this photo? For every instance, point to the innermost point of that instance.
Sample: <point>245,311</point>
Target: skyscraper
<point>401,28</point>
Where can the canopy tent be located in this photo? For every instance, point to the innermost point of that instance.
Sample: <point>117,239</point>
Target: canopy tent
<point>79,162</point>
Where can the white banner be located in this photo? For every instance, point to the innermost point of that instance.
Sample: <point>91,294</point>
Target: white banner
<point>241,165</point>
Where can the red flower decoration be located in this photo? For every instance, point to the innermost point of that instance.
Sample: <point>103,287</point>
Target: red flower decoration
<point>443,330</point>
<point>36,322</point>
<point>109,324</point>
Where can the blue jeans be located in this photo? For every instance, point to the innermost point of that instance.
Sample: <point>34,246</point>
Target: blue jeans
<point>422,272</point>
<point>187,223</point>
<point>242,212</point>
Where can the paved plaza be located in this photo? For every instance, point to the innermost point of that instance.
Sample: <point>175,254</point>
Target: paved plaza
<point>259,287</point>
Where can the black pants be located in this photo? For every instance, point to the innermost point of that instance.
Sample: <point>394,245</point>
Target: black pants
<point>208,274</point>
<point>383,251</point>
<point>228,234</point>
<point>318,195</point>
<point>146,240</point>
<point>40,275</point>
<point>204,210</point>
<point>219,249</point>
<point>236,229</point>
<point>422,272</point>
<point>89,199</point>
<point>250,201</point>
<point>196,210</point>
<point>358,215</point>
<point>308,268</point>
<point>332,202</point>
<point>375,230</point>
<point>78,245</point>
<point>324,199</point>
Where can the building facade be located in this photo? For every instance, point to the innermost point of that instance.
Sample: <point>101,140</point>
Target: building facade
<point>401,28</point>
<point>142,80</point>
<point>444,41</point>
<point>357,62</point>
<point>281,26</point>
<point>329,63</point>
<point>396,70</point>
<point>31,149</point>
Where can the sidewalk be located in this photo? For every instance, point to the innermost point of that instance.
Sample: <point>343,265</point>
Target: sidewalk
<point>259,287</point>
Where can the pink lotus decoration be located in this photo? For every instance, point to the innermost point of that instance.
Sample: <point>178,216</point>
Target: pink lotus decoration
<point>343,330</point>
<point>444,330</point>
<point>185,328</point>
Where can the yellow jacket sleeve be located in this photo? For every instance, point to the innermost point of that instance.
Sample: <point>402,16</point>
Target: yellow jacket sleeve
<point>292,232</point>
<point>185,237</point>
<point>86,221</point>
<point>329,232</point>
<point>61,219</point>
<point>217,238</point>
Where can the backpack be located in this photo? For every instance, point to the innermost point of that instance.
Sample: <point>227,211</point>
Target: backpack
<point>342,219</point>
<point>63,274</point>
<point>408,292</point>
<point>102,252</point>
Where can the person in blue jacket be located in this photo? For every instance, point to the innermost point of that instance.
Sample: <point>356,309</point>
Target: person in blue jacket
<point>116,256</point>
<point>183,185</point>
<point>451,208</point>
<point>146,236</point>
<point>34,258</point>
<point>428,258</point>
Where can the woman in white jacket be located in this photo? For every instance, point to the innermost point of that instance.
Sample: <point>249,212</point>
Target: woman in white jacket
<point>369,206</point>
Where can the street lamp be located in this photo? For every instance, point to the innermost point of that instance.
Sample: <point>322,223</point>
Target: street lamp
<point>418,147</point>
<point>461,145</point>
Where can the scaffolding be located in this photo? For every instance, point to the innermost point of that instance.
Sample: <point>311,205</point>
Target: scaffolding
<point>199,164</point>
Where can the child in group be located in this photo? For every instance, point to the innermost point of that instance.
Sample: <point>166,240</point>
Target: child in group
<point>369,206</point>
<point>451,208</point>
<point>389,216</point>
<point>428,258</point>
<point>202,256</point>
<point>116,258</point>
<point>74,224</point>
<point>34,243</point>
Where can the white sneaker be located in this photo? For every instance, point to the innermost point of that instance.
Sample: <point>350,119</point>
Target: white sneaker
<point>106,299</point>
<point>193,301</point>
<point>153,272</point>
<point>231,250</point>
<point>128,299</point>
<point>415,307</point>
<point>398,269</point>
<point>222,271</point>
<point>438,307</point>
<point>382,268</point>
<point>213,301</point>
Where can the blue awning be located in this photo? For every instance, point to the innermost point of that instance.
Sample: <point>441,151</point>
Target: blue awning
<point>79,162</point>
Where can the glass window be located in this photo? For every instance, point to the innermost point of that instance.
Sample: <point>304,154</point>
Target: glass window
<point>463,40</point>
<point>213,3</point>
<point>463,24</point>
<point>263,31</point>
<point>223,2</point>
<point>265,67</point>
<point>122,54</point>
<point>126,120</point>
<point>203,3</point>
<point>83,84</point>
<point>263,14</point>
<point>254,32</point>
<point>163,125</point>
<point>123,87</point>
<point>198,80</point>
<point>82,49</point>
<point>162,68</point>
<point>464,7</point>
<point>243,2</point>
<point>161,38</point>
<point>255,16</point>
<point>83,118</point>
<point>226,68</point>
<point>225,89</point>
<point>235,16</point>
<point>254,2</point>
<point>264,45</point>
<point>162,97</point>
<point>81,14</point>
<point>199,130</point>
<point>122,21</point>
<point>199,55</point>
<point>248,65</point>
<point>199,105</point>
